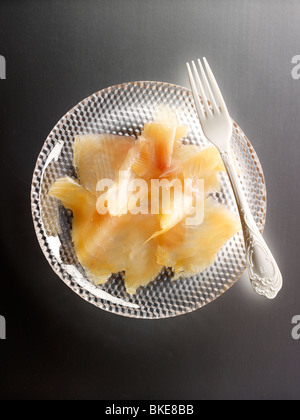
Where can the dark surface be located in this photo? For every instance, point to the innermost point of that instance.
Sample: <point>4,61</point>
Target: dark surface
<point>59,346</point>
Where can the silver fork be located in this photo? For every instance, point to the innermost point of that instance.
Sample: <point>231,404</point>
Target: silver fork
<point>216,125</point>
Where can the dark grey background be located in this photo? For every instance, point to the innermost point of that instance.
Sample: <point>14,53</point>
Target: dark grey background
<point>59,52</point>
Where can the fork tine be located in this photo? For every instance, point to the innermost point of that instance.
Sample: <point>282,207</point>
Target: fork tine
<point>201,89</point>
<point>210,95</point>
<point>195,92</point>
<point>215,87</point>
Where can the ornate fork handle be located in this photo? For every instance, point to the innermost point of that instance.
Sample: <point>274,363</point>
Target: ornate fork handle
<point>264,273</point>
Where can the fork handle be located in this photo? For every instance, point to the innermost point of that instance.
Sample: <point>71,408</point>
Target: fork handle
<point>264,273</point>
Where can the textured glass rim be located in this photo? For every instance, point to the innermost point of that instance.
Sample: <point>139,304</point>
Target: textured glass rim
<point>88,295</point>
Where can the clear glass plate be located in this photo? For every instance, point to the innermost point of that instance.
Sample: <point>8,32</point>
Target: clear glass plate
<point>123,110</point>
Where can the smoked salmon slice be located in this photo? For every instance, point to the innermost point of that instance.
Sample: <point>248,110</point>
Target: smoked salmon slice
<point>111,239</point>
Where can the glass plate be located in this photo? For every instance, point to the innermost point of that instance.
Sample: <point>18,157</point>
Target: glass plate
<point>123,110</point>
